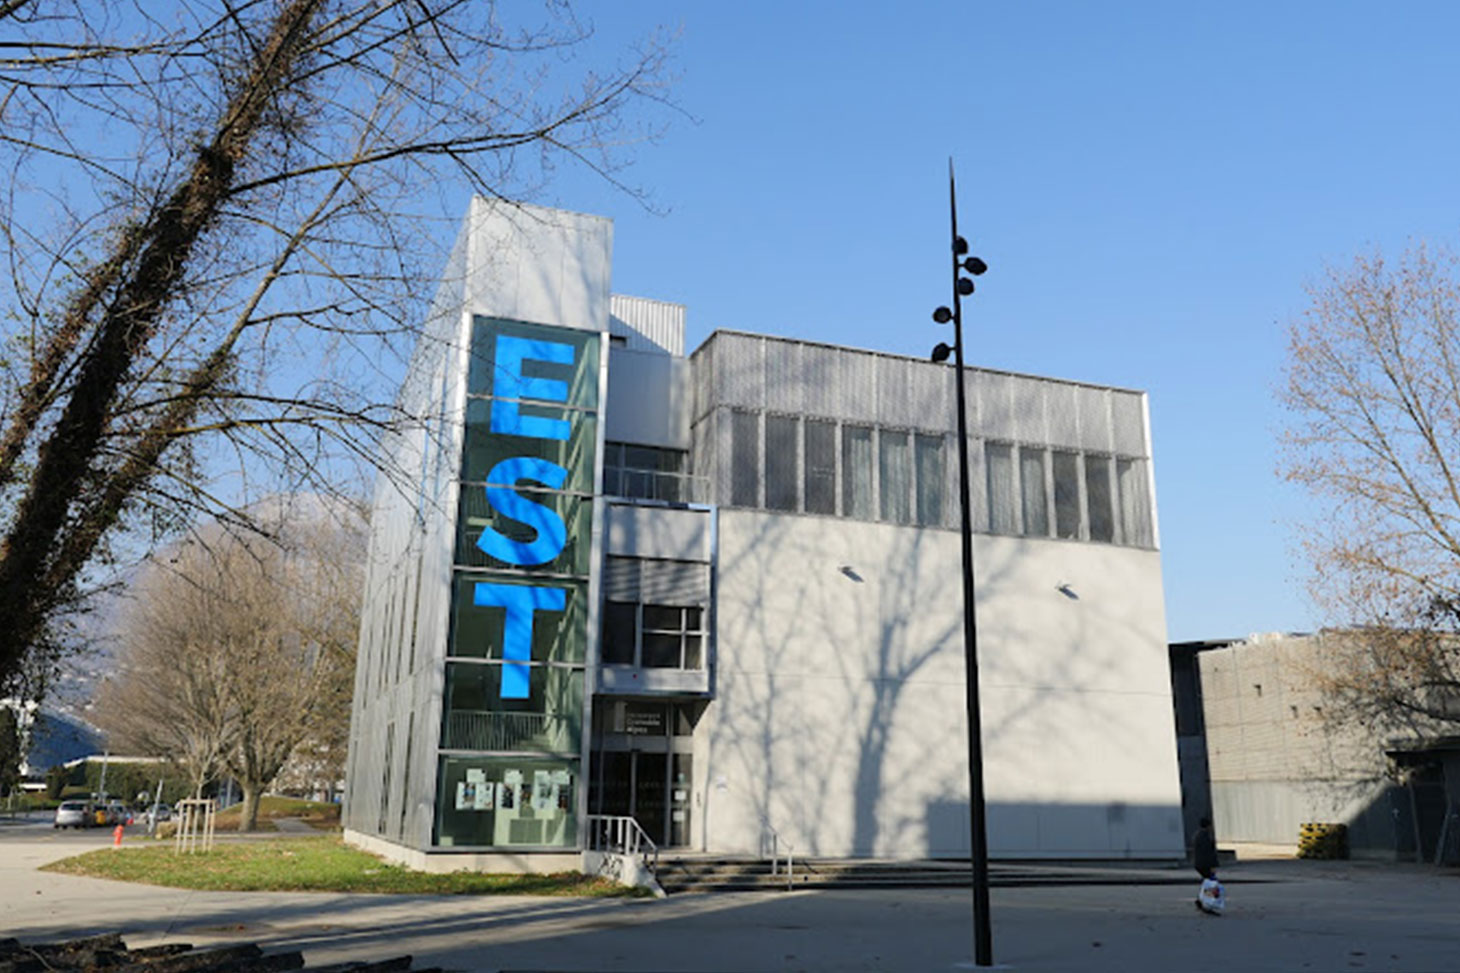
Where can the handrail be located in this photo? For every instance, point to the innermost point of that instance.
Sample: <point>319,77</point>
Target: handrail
<point>621,834</point>
<point>776,854</point>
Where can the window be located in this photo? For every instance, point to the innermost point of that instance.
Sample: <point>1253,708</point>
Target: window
<point>620,629</point>
<point>932,478</point>
<point>820,466</point>
<point>895,469</point>
<point>1003,514</point>
<point>1097,494</point>
<point>744,459</point>
<point>1067,495</point>
<point>857,472</point>
<point>1035,499</point>
<point>653,636</point>
<point>780,462</point>
<point>645,472</point>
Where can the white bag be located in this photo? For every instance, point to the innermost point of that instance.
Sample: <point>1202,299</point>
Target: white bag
<point>1213,898</point>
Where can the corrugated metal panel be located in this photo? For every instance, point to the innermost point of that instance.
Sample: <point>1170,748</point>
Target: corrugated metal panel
<point>740,371</point>
<point>893,397</point>
<point>1028,410</point>
<point>674,583</point>
<point>856,387</point>
<point>1129,424</point>
<point>722,473</point>
<point>995,406</point>
<point>620,580</point>
<point>702,376</point>
<point>785,377</point>
<point>655,581</point>
<point>818,372</point>
<point>1094,418</point>
<point>930,396</point>
<point>647,325</point>
<point>1064,415</point>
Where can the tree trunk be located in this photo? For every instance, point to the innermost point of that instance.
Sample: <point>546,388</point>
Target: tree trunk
<point>248,818</point>
<point>60,475</point>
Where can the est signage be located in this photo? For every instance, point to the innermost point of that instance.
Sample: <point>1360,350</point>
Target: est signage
<point>528,438</point>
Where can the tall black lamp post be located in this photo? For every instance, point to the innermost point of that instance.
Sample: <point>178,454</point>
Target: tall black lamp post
<point>962,287</point>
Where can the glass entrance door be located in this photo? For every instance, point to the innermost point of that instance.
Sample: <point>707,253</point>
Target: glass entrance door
<point>650,794</point>
<point>642,765</point>
<point>636,784</point>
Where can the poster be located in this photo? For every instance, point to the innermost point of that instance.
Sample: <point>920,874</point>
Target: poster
<point>510,796</point>
<point>542,790</point>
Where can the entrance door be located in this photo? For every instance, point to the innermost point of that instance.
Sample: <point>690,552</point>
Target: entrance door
<point>642,765</point>
<point>635,783</point>
<point>651,794</point>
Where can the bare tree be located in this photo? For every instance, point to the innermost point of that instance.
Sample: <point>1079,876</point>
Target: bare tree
<point>1373,393</point>
<point>203,194</point>
<point>237,649</point>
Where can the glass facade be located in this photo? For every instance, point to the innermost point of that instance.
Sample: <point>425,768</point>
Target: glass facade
<point>512,714</point>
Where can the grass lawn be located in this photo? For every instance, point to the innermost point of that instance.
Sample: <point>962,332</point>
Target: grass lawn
<point>326,817</point>
<point>310,864</point>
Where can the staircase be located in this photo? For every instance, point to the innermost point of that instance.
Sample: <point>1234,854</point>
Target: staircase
<point>710,874</point>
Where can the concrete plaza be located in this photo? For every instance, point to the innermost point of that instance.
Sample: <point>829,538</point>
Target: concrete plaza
<point>1283,915</point>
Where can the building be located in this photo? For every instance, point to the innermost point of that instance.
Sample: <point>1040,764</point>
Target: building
<point>720,593</point>
<point>1261,753</point>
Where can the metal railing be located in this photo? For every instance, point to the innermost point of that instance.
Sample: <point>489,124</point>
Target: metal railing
<point>776,842</point>
<point>482,730</point>
<point>622,835</point>
<point>635,484</point>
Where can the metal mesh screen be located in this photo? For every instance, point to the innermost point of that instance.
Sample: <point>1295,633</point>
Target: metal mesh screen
<point>740,372</point>
<point>1028,410</point>
<point>1064,419</point>
<point>841,403</point>
<point>785,380</point>
<point>931,399</point>
<point>995,407</point>
<point>1128,419</point>
<point>894,406</point>
<point>819,370</point>
<point>1094,406</point>
<point>856,398</point>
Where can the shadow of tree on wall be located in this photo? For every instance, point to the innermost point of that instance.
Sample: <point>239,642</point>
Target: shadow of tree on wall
<point>913,592</point>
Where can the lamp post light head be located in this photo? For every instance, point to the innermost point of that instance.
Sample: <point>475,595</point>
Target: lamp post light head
<point>941,351</point>
<point>960,246</point>
<point>975,266</point>
<point>965,286</point>
<point>942,315</point>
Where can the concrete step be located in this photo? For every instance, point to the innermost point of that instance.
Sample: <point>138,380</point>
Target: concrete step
<point>720,875</point>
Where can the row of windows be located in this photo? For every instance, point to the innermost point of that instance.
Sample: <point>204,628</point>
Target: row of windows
<point>883,474</point>
<point>1038,492</point>
<point>820,466</point>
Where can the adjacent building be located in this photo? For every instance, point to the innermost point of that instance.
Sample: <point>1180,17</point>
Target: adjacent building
<point>719,592</point>
<point>1263,753</point>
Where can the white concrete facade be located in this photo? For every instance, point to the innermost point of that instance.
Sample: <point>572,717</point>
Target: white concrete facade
<point>839,715</point>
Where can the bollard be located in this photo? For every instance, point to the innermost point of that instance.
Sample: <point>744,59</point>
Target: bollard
<point>117,836</point>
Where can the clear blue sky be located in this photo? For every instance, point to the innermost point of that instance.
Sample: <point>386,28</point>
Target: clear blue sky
<point>1152,184</point>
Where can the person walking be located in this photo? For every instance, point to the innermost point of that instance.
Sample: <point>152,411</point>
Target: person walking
<point>1212,897</point>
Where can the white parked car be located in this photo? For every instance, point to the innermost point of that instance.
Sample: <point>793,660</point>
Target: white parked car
<point>156,813</point>
<point>74,814</point>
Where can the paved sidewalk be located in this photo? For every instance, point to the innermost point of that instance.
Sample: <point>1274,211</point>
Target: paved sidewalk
<point>1283,915</point>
